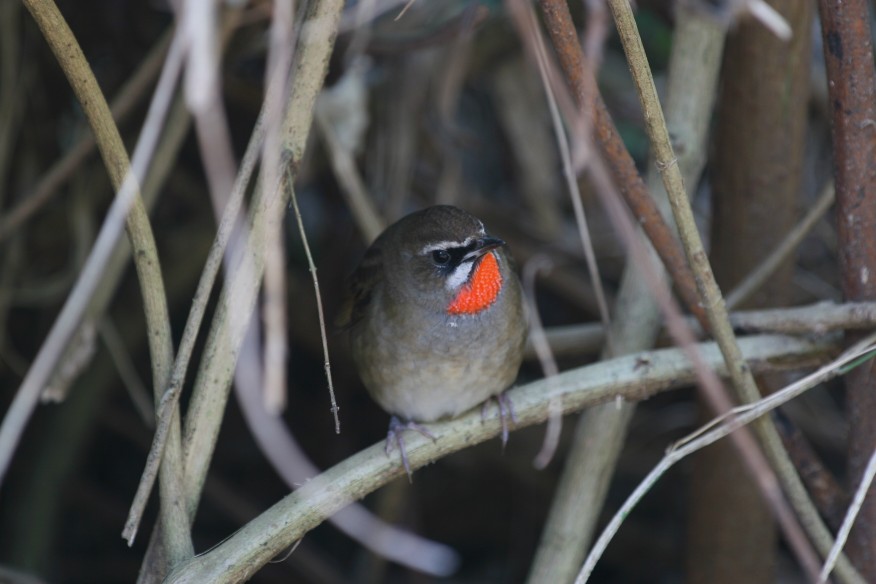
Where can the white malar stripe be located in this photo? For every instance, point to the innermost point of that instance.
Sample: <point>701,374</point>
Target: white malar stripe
<point>445,245</point>
<point>459,276</point>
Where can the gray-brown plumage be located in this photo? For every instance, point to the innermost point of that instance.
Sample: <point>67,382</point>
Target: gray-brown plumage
<point>435,316</point>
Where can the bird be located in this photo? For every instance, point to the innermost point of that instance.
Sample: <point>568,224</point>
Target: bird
<point>436,319</point>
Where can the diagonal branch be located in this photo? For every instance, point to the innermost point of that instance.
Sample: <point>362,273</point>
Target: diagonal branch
<point>127,206</point>
<point>599,437</point>
<point>632,377</point>
<point>740,372</point>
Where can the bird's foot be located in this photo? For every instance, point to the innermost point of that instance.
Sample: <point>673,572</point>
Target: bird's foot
<point>394,436</point>
<point>506,412</point>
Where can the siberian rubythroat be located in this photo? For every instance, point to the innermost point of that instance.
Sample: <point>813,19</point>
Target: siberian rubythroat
<point>436,320</point>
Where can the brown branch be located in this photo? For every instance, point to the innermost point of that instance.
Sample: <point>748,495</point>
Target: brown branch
<point>620,163</point>
<point>599,436</point>
<point>848,55</point>
<point>827,494</point>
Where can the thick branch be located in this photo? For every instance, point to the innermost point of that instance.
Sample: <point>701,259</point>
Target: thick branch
<point>633,377</point>
<point>848,55</point>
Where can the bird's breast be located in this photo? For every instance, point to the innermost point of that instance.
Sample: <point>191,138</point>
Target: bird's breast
<point>427,365</point>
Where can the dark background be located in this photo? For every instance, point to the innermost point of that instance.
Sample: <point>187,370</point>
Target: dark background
<point>64,503</point>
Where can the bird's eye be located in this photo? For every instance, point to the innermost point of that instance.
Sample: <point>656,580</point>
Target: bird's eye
<point>441,257</point>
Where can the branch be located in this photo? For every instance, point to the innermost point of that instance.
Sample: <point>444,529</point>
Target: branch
<point>848,57</point>
<point>632,377</point>
<point>696,58</point>
<point>127,204</point>
<point>740,374</point>
<point>215,374</point>
<point>718,428</point>
<point>801,320</point>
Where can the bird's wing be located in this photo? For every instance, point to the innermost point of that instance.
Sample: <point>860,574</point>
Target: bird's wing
<point>360,288</point>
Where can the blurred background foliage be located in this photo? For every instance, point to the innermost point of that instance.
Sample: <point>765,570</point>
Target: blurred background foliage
<point>452,112</point>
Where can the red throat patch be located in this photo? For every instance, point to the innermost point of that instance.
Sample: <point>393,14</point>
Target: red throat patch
<point>481,290</point>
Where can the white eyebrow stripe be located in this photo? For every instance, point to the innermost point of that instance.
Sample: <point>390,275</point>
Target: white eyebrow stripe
<point>445,245</point>
<point>459,276</point>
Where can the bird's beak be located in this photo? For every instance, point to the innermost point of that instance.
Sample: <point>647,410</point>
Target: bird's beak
<point>482,246</point>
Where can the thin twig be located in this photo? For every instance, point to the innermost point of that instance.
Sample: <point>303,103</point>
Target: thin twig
<point>801,320</point>
<point>405,9</point>
<point>770,18</point>
<point>197,32</point>
<point>325,352</point>
<point>197,20</point>
<point>530,33</point>
<point>545,356</point>
<point>623,167</point>
<point>849,520</point>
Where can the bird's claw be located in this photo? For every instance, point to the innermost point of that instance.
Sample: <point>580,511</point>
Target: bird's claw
<point>396,429</point>
<point>506,411</point>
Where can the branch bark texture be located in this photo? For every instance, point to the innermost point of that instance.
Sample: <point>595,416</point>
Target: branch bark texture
<point>848,54</point>
<point>756,179</point>
<point>632,377</point>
